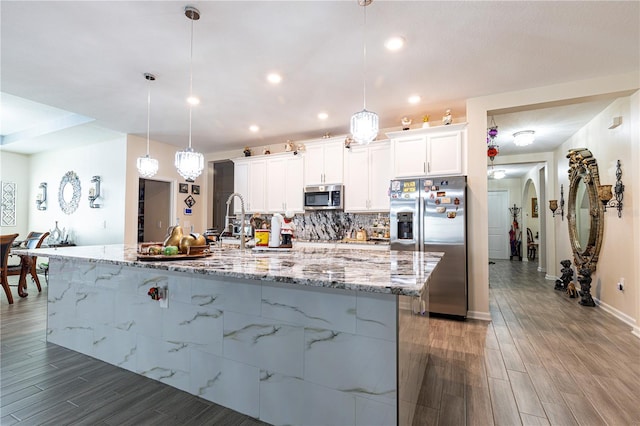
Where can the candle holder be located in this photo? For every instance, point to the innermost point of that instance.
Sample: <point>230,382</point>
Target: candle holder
<point>41,198</point>
<point>606,196</point>
<point>94,192</point>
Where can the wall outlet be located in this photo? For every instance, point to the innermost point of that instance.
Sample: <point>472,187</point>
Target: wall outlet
<point>620,284</point>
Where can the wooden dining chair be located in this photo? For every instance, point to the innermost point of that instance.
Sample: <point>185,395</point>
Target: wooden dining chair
<point>34,240</point>
<point>5,248</point>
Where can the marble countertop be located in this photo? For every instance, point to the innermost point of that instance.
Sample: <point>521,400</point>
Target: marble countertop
<point>389,271</point>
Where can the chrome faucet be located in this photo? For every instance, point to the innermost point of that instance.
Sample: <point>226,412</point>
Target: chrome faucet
<point>235,194</point>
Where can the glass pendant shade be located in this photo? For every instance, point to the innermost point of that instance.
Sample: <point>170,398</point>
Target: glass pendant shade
<point>147,166</point>
<point>189,163</point>
<point>364,126</point>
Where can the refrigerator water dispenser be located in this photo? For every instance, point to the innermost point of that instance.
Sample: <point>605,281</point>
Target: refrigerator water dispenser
<point>405,226</point>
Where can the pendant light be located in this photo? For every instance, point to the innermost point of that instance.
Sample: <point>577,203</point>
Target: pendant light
<point>147,166</point>
<point>188,162</point>
<point>364,124</point>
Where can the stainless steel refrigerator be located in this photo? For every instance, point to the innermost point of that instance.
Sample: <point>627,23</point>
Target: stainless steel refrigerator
<point>429,215</point>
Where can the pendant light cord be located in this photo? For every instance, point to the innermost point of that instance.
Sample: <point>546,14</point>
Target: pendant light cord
<point>364,57</point>
<point>148,110</point>
<point>191,83</point>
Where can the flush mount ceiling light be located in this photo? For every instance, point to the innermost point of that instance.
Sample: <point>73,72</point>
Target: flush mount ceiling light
<point>323,116</point>
<point>253,128</point>
<point>364,124</point>
<point>188,162</point>
<point>524,138</point>
<point>147,166</point>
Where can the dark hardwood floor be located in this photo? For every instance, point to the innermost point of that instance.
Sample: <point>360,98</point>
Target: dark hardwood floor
<point>543,359</point>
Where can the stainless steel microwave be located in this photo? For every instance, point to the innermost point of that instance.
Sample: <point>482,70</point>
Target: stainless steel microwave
<point>324,197</point>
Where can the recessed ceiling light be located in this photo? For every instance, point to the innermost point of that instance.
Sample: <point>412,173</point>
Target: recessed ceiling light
<point>193,100</point>
<point>274,78</point>
<point>323,115</point>
<point>414,99</point>
<point>254,128</point>
<point>394,43</point>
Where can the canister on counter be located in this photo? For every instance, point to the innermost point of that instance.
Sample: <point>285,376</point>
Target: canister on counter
<point>262,237</point>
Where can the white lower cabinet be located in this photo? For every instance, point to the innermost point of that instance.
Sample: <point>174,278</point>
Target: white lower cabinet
<point>367,175</point>
<point>284,175</point>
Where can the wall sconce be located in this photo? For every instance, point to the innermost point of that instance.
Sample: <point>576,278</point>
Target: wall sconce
<point>94,192</point>
<point>553,204</point>
<point>606,196</point>
<point>41,198</point>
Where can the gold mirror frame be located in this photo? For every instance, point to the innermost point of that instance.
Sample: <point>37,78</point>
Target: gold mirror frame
<point>584,167</point>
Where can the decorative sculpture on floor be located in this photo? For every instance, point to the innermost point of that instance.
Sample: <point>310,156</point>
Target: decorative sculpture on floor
<point>584,278</point>
<point>567,275</point>
<point>571,291</point>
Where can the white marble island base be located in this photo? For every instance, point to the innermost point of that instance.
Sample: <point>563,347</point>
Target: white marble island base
<point>282,353</point>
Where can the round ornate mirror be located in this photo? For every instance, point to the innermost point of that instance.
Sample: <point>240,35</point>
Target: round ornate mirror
<point>584,214</point>
<point>69,192</point>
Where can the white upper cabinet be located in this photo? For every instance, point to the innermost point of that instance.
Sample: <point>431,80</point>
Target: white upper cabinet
<point>367,175</point>
<point>284,184</point>
<point>433,151</point>
<point>323,162</point>
<point>249,181</point>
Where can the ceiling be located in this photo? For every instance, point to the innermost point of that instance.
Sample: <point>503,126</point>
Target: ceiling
<point>72,72</point>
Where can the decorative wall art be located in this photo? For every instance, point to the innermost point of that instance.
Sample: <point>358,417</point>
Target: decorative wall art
<point>69,192</point>
<point>534,207</point>
<point>189,201</point>
<point>183,188</point>
<point>195,189</point>
<point>8,206</point>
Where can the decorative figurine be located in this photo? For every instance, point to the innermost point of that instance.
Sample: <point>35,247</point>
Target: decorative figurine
<point>571,291</point>
<point>286,230</point>
<point>347,142</point>
<point>266,151</point>
<point>447,117</point>
<point>425,121</point>
<point>289,146</point>
<point>584,278</point>
<point>406,122</point>
<point>567,275</point>
<point>247,151</point>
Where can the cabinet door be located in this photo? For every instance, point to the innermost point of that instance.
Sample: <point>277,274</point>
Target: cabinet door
<point>314,165</point>
<point>409,156</point>
<point>444,155</point>
<point>294,189</point>
<point>240,184</point>
<point>276,184</point>
<point>333,162</point>
<point>379,177</point>
<point>257,186</point>
<point>356,180</point>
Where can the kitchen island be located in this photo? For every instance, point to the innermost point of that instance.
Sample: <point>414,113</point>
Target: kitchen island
<point>308,336</point>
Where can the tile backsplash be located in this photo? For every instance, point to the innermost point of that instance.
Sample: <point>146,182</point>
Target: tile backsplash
<point>333,224</point>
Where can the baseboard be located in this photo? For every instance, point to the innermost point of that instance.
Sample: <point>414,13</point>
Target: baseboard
<point>482,316</point>
<point>635,330</point>
<point>541,269</point>
<point>551,277</point>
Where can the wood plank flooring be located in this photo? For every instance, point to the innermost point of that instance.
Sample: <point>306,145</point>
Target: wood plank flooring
<point>543,360</point>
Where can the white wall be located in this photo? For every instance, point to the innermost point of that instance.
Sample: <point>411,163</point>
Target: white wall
<point>15,168</point>
<point>618,254</point>
<point>88,226</point>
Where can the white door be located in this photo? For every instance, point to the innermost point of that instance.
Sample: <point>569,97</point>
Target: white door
<point>498,224</point>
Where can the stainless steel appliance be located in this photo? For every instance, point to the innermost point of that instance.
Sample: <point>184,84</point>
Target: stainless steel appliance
<point>429,215</point>
<point>324,197</point>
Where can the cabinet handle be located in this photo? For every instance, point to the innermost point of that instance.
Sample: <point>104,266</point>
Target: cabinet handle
<point>428,167</point>
<point>424,167</point>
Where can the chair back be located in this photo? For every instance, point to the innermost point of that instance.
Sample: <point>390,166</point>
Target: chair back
<point>529,236</point>
<point>35,239</point>
<point>5,248</point>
